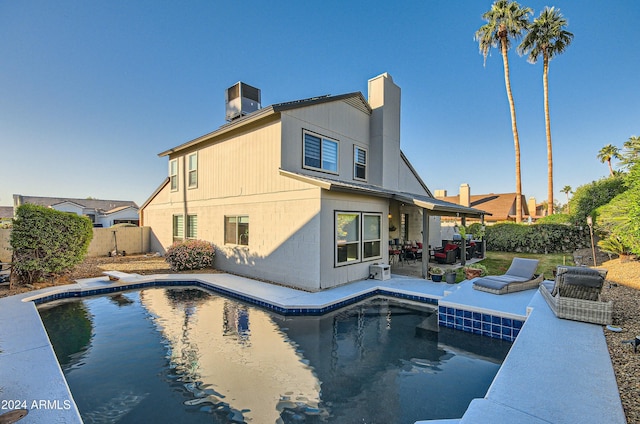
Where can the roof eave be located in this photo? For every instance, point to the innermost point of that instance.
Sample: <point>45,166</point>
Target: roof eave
<point>256,116</point>
<point>439,207</point>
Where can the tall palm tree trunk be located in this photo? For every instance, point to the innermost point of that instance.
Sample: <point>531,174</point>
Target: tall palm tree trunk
<point>610,167</point>
<point>547,121</point>
<point>514,127</point>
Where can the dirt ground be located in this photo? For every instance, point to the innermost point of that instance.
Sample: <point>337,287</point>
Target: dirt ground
<point>622,287</point>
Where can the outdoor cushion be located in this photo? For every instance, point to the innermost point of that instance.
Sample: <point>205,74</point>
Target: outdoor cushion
<point>548,285</point>
<point>587,287</point>
<point>521,267</point>
<point>594,279</point>
<point>506,278</point>
<point>580,270</point>
<point>490,283</point>
<point>519,276</point>
<point>583,280</point>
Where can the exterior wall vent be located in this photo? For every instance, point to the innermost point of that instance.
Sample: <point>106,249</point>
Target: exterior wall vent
<point>241,99</point>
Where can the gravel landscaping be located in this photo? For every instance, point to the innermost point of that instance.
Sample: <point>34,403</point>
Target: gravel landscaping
<point>622,287</point>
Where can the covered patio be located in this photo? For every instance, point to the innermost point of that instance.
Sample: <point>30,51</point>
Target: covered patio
<point>418,219</point>
<point>415,214</point>
<point>413,268</point>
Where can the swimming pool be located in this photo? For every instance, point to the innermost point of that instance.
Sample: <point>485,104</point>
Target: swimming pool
<point>185,354</point>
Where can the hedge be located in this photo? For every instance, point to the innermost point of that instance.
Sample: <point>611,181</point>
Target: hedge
<point>47,242</point>
<point>537,238</point>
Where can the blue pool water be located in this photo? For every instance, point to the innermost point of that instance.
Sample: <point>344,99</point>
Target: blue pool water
<point>187,355</point>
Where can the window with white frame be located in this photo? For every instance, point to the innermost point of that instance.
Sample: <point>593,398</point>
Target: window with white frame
<point>358,237</point>
<point>173,174</point>
<point>347,237</point>
<point>178,227</point>
<point>236,230</point>
<point>359,163</point>
<point>371,235</point>
<point>320,153</point>
<point>192,226</point>
<point>192,176</point>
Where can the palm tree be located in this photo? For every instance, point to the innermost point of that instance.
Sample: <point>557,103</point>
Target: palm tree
<point>566,190</point>
<point>547,38</point>
<point>506,20</point>
<point>607,153</point>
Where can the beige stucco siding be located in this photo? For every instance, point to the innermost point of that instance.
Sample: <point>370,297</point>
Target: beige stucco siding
<point>158,214</point>
<point>408,181</point>
<point>239,176</point>
<point>283,236</point>
<point>336,120</point>
<point>330,274</point>
<point>241,164</point>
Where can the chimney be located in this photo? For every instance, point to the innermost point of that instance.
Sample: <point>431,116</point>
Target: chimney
<point>531,204</point>
<point>440,194</point>
<point>465,195</point>
<point>384,99</point>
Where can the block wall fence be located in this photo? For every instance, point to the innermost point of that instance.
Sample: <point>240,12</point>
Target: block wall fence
<point>133,240</point>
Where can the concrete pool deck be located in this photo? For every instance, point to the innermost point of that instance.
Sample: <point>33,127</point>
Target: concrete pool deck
<point>557,371</point>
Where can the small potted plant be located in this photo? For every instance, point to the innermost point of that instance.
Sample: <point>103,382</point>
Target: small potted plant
<point>450,276</point>
<point>436,274</point>
<point>474,271</point>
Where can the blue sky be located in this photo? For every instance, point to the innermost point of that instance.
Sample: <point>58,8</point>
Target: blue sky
<point>91,92</point>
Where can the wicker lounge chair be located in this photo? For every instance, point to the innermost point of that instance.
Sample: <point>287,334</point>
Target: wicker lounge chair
<point>520,276</point>
<point>575,295</point>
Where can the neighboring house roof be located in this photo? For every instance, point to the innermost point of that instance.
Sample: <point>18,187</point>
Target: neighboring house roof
<point>355,99</point>
<point>69,202</point>
<point>501,206</point>
<point>97,204</point>
<point>119,209</point>
<point>439,206</point>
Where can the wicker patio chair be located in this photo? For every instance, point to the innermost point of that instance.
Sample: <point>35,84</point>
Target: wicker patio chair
<point>575,295</point>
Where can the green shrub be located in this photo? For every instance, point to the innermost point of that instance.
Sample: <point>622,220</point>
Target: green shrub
<point>47,242</point>
<point>477,230</point>
<point>587,198</point>
<point>556,218</point>
<point>190,254</point>
<point>538,238</point>
<point>618,221</point>
<point>614,246</point>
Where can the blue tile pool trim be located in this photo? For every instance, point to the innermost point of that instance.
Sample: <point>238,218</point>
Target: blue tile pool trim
<point>484,324</point>
<point>266,305</point>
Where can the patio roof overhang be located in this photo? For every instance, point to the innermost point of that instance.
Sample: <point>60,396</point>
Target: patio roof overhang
<point>430,204</point>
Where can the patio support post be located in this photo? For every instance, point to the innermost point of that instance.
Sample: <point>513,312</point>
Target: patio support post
<point>483,245</point>
<point>425,243</point>
<point>463,249</point>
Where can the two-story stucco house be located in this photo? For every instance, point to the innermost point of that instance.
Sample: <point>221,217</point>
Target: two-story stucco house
<point>302,193</point>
